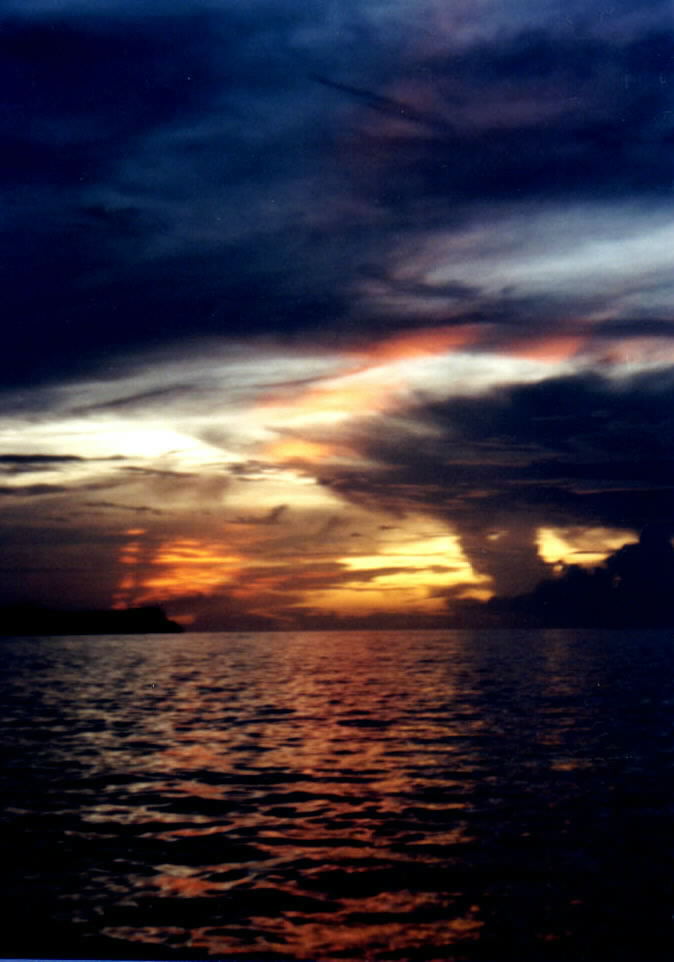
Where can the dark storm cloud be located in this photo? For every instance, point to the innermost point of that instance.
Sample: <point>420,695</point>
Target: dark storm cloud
<point>635,327</point>
<point>633,587</point>
<point>147,161</point>
<point>31,490</point>
<point>141,399</point>
<point>29,459</point>
<point>580,450</point>
<point>79,90</point>
<point>162,474</point>
<point>118,506</point>
<point>541,113</point>
<point>390,106</point>
<point>30,546</point>
<point>161,485</point>
<point>180,172</point>
<point>273,516</point>
<point>29,463</point>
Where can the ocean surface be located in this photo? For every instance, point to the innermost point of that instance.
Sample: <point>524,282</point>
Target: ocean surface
<point>468,795</point>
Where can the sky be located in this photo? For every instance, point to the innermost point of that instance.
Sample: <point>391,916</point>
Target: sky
<point>331,313</point>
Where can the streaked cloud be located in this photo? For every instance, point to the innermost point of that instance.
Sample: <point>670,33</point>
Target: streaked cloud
<point>298,286</point>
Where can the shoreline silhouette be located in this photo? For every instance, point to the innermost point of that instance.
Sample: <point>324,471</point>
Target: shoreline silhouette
<point>31,620</point>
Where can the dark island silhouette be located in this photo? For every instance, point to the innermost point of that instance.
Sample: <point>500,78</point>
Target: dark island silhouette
<point>632,588</point>
<point>30,620</point>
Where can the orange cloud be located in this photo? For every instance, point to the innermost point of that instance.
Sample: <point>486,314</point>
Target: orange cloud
<point>409,576</point>
<point>375,383</point>
<point>549,347</point>
<point>176,568</point>
<point>423,342</point>
<point>379,377</point>
<point>580,545</point>
<point>187,567</point>
<point>297,449</point>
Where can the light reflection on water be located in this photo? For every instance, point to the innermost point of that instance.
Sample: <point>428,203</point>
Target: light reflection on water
<point>371,795</point>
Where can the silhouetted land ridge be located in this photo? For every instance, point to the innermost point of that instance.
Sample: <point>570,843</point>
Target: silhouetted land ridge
<point>29,620</point>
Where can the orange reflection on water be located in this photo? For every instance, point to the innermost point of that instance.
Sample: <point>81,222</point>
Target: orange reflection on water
<point>192,756</point>
<point>317,939</point>
<point>182,886</point>
<point>150,934</point>
<point>325,786</point>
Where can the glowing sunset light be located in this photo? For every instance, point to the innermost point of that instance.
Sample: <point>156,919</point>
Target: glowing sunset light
<point>551,348</point>
<point>122,437</point>
<point>438,560</point>
<point>426,341</point>
<point>409,574</point>
<point>174,568</point>
<point>335,401</point>
<point>398,372</point>
<point>580,546</point>
<point>191,551</point>
<point>397,335</point>
<point>418,552</point>
<point>384,372</point>
<point>290,449</point>
<point>359,598</point>
<point>339,335</point>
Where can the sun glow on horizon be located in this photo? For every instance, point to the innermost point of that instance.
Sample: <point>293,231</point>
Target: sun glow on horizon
<point>580,546</point>
<point>413,572</point>
<point>172,568</point>
<point>287,445</point>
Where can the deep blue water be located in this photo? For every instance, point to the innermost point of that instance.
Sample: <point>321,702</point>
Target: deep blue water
<point>379,795</point>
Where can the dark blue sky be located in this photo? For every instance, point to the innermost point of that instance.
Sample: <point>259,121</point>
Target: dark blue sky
<point>215,210</point>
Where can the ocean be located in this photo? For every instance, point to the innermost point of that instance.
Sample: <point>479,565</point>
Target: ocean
<point>465,795</point>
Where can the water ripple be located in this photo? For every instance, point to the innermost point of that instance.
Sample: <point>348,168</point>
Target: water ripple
<point>426,795</point>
